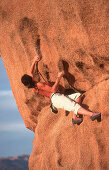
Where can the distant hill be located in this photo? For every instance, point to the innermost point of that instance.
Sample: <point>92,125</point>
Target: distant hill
<point>14,163</point>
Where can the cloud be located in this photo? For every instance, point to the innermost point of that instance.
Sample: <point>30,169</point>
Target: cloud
<point>7,101</point>
<point>6,93</point>
<point>12,127</point>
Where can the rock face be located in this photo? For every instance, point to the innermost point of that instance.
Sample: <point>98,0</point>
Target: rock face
<point>76,33</point>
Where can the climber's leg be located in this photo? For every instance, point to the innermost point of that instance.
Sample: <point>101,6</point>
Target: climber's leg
<point>64,102</point>
<point>93,115</point>
<point>75,96</point>
<point>79,99</point>
<point>76,120</point>
<point>82,111</point>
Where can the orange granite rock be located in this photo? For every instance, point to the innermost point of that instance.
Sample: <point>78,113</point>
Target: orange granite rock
<point>76,34</point>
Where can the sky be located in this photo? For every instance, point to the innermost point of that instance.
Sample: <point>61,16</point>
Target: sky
<point>15,138</point>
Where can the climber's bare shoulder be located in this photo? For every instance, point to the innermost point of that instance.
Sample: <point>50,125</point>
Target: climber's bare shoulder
<point>43,86</point>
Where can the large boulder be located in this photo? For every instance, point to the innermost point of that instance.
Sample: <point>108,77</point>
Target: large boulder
<point>74,33</point>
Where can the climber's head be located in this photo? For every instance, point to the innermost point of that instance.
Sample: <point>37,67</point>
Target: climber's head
<point>27,81</point>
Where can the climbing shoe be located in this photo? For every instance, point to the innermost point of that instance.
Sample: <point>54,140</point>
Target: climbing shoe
<point>95,116</point>
<point>77,121</point>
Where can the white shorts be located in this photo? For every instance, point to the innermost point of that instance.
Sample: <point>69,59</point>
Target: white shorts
<point>66,102</point>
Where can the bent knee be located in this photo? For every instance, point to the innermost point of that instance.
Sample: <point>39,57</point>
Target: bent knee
<point>79,99</point>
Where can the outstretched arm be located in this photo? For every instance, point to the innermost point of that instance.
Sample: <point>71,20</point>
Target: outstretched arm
<point>56,85</point>
<point>35,61</point>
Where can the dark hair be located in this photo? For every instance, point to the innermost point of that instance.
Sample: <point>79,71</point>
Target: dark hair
<point>27,81</point>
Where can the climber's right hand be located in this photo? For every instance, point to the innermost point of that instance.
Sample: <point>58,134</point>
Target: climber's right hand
<point>38,57</point>
<point>60,74</point>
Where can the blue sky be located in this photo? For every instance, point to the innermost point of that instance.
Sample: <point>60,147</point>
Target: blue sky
<point>15,138</point>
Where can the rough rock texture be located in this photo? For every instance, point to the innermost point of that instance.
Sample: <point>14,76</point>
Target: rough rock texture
<point>76,33</point>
